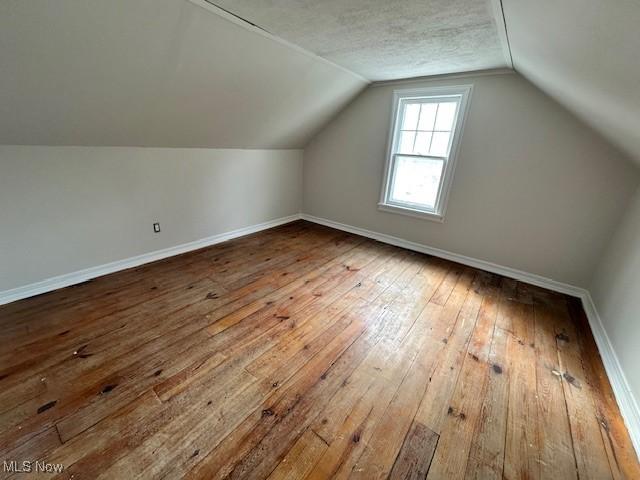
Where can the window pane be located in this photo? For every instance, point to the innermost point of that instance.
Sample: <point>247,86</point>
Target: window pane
<point>416,181</point>
<point>427,116</point>
<point>440,144</point>
<point>423,140</point>
<point>446,115</point>
<point>405,145</point>
<point>410,120</point>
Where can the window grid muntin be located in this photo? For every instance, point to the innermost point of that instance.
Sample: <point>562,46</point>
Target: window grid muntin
<point>420,100</point>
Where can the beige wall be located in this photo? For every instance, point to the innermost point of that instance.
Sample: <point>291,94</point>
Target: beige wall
<point>616,293</point>
<point>534,188</point>
<point>70,208</point>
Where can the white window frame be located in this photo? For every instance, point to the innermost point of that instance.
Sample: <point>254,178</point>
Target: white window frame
<point>435,93</point>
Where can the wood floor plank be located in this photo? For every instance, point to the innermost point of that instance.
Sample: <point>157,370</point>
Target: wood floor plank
<point>461,311</point>
<point>622,456</point>
<point>447,286</point>
<point>486,457</point>
<point>378,457</point>
<point>556,445</point>
<point>288,397</point>
<point>182,438</point>
<point>332,370</point>
<point>86,453</point>
<point>212,433</point>
<point>33,449</point>
<point>106,374</point>
<point>464,411</point>
<point>31,359</point>
<point>222,461</point>
<point>175,279</point>
<point>414,460</point>
<point>588,444</point>
<point>522,448</point>
<point>301,458</point>
<point>118,293</point>
<point>349,420</point>
<point>307,352</point>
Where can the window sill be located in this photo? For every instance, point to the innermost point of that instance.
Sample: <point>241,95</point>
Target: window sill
<point>411,212</point>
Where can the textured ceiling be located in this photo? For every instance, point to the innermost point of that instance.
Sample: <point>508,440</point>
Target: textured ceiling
<point>386,39</point>
<point>585,56</point>
<point>165,73</point>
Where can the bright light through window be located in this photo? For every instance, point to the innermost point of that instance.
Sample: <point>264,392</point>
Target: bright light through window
<point>425,133</point>
<point>416,181</point>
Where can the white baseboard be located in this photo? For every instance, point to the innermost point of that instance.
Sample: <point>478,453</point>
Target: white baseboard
<point>621,389</point>
<point>454,257</point>
<point>624,396</point>
<point>74,278</point>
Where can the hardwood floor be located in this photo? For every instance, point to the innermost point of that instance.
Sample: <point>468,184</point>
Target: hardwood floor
<point>303,352</point>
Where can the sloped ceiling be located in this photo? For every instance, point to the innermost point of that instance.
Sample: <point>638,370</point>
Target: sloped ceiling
<point>181,73</point>
<point>387,39</point>
<point>165,73</point>
<point>585,54</point>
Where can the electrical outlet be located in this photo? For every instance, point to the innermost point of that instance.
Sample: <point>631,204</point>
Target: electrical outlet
<point>156,227</point>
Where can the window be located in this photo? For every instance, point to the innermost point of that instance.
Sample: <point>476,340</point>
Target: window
<point>425,133</point>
